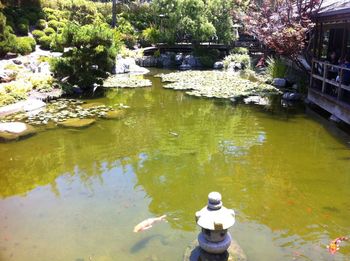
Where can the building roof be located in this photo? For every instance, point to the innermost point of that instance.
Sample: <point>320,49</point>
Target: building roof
<point>334,8</point>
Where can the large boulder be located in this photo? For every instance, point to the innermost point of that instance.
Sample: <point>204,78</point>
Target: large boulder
<point>292,96</point>
<point>179,58</point>
<point>192,61</point>
<point>33,104</point>
<point>77,123</point>
<point>148,61</point>
<point>165,60</point>
<point>185,67</point>
<point>258,100</point>
<point>279,82</point>
<point>218,65</point>
<point>11,131</point>
<point>128,65</point>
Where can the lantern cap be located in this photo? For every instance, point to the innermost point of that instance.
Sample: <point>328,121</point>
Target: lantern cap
<point>215,216</point>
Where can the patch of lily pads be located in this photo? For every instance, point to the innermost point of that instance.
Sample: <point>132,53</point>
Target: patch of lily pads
<point>216,84</point>
<point>68,113</point>
<point>126,81</point>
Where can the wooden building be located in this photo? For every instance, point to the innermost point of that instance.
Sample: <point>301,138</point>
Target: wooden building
<point>330,70</point>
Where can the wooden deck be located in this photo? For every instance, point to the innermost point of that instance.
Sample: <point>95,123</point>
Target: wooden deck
<point>329,94</point>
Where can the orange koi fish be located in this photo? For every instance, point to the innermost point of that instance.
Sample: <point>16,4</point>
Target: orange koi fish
<point>147,224</point>
<point>334,246</point>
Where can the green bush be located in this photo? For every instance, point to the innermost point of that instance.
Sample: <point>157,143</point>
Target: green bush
<point>53,24</point>
<point>41,24</point>
<point>151,35</point>
<point>32,17</point>
<point>206,57</point>
<point>49,31</point>
<point>51,17</point>
<point>57,43</point>
<point>240,50</point>
<point>25,45</point>
<point>93,54</point>
<point>37,34</point>
<point>22,29</point>
<point>276,68</point>
<point>45,42</point>
<point>244,59</point>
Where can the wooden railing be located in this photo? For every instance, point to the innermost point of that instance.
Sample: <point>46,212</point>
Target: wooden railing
<point>321,71</point>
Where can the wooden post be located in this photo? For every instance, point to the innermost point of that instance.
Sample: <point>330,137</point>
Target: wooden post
<point>325,72</point>
<point>340,90</point>
<point>312,72</point>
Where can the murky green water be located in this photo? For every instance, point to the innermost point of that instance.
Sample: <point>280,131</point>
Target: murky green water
<point>76,195</point>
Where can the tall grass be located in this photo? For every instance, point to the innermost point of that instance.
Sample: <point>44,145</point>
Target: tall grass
<point>276,68</point>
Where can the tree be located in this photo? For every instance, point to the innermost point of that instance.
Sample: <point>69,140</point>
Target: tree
<point>282,26</point>
<point>114,13</point>
<point>219,14</point>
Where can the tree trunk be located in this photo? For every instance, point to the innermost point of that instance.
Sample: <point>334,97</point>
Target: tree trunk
<point>114,13</point>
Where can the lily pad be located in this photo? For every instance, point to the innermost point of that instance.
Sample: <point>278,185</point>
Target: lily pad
<point>215,84</point>
<point>77,123</point>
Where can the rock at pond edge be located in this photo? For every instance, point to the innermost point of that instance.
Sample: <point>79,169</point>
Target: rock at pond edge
<point>77,123</point>
<point>15,130</point>
<point>115,114</point>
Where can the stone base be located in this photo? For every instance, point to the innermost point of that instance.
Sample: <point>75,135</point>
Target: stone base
<point>234,253</point>
<point>214,248</point>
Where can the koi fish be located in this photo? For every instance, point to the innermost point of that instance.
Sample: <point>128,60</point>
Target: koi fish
<point>147,224</point>
<point>334,246</point>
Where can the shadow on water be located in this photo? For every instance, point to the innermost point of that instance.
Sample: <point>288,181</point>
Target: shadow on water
<point>144,242</point>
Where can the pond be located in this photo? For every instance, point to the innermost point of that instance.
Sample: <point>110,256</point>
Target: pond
<point>77,194</point>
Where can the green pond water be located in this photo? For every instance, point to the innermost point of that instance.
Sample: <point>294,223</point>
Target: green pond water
<point>77,194</point>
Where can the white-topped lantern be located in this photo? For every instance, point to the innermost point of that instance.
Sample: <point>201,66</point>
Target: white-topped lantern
<point>215,220</point>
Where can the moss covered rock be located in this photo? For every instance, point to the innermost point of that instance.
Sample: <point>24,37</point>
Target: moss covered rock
<point>12,131</point>
<point>115,114</point>
<point>77,123</point>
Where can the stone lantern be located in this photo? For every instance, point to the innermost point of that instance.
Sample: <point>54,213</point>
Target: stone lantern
<point>215,220</point>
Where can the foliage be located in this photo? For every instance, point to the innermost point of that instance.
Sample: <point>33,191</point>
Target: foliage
<point>244,59</point>
<point>22,26</point>
<point>45,42</point>
<point>157,53</point>
<point>276,68</point>
<point>53,24</point>
<point>57,42</point>
<point>240,50</point>
<point>41,24</point>
<point>7,38</point>
<point>25,45</point>
<point>206,57</point>
<point>219,14</point>
<point>49,31</point>
<point>194,20</point>
<point>282,25</point>
<point>92,56</point>
<point>151,35</point>
<point>41,82</point>
<point>14,91</point>
<point>37,34</point>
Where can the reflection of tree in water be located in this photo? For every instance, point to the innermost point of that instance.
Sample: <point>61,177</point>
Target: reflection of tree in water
<point>182,170</point>
<point>253,161</point>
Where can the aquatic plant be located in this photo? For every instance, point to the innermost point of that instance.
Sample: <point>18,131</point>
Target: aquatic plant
<point>243,59</point>
<point>215,84</point>
<point>276,68</point>
<point>122,81</point>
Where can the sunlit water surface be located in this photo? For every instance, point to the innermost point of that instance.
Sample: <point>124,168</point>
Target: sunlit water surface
<point>77,194</point>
